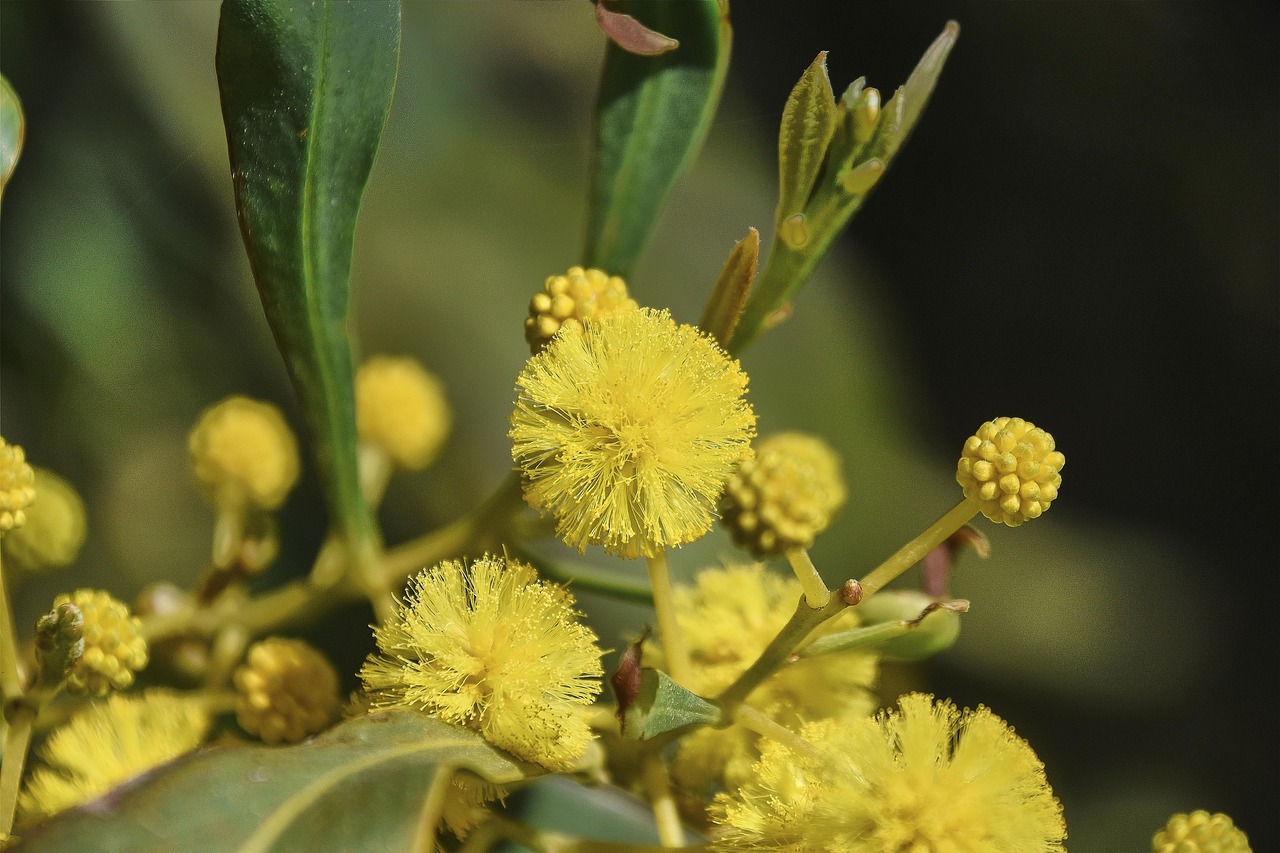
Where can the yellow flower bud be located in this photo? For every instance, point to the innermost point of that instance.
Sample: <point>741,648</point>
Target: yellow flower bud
<point>244,452</point>
<point>401,408</point>
<point>114,648</point>
<point>55,528</point>
<point>285,691</point>
<point>17,486</point>
<point>1011,468</point>
<point>784,497</point>
<point>1200,832</point>
<point>566,300</point>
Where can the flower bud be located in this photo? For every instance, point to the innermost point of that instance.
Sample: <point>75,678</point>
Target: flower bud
<point>401,409</point>
<point>569,299</point>
<point>1010,466</point>
<point>285,691</point>
<point>114,648</point>
<point>55,528</point>
<point>243,452</point>
<point>17,486</point>
<point>1200,832</point>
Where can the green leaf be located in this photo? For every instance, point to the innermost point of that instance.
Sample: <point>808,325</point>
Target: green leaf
<point>730,292</point>
<point>13,128</point>
<point>808,121</point>
<point>662,706</point>
<point>360,786</point>
<point>305,92</point>
<point>652,117</point>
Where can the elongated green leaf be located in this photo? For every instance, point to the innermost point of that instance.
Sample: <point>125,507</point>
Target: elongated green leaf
<point>661,706</point>
<point>808,120</point>
<point>306,87</point>
<point>12,129</point>
<point>729,295</point>
<point>360,786</point>
<point>652,117</point>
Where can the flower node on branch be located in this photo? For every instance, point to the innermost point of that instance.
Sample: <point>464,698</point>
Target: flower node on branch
<point>626,430</point>
<point>285,691</point>
<point>1010,467</point>
<point>784,497</point>
<point>114,648</point>
<point>569,299</point>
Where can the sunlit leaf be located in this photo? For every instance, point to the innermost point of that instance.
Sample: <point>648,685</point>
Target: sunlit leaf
<point>808,120</point>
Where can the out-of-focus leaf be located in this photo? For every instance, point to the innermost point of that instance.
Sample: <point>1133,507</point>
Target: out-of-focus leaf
<point>860,151</point>
<point>360,786</point>
<point>13,128</point>
<point>652,117</point>
<point>305,92</point>
<point>631,35</point>
<point>662,706</point>
<point>808,120</point>
<point>731,288</point>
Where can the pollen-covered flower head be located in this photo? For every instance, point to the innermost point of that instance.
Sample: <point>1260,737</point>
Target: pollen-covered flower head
<point>109,743</point>
<point>401,408</point>
<point>569,299</point>
<point>1200,832</point>
<point>784,497</point>
<point>489,646</point>
<point>727,618</point>
<point>54,530</point>
<point>924,777</point>
<point>114,648</point>
<point>285,691</point>
<point>244,452</point>
<point>626,430</point>
<point>1011,467</point>
<point>17,486</point>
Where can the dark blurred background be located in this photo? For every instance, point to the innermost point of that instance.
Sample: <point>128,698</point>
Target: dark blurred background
<point>1082,231</point>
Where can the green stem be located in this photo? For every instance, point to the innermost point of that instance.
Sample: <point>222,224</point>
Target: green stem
<point>859,638</point>
<point>664,604</point>
<point>815,589</point>
<point>765,726</point>
<point>16,743</point>
<point>915,550</point>
<point>798,628</point>
<point>10,684</point>
<point>656,784</point>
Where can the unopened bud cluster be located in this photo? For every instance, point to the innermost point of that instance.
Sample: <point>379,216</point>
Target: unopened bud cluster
<point>17,486</point>
<point>578,295</point>
<point>1011,468</point>
<point>114,648</point>
<point>1200,832</point>
<point>244,452</point>
<point>784,497</point>
<point>285,691</point>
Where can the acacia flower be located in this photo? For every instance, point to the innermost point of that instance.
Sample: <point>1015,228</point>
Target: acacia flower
<point>244,452</point>
<point>569,299</point>
<point>285,691</point>
<point>17,486</point>
<point>1011,467</point>
<point>114,648</point>
<point>1200,832</point>
<point>401,409</point>
<point>727,619</point>
<point>489,646</point>
<point>109,743</point>
<point>626,430</point>
<point>925,777</point>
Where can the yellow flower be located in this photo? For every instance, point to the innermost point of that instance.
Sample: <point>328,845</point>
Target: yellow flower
<point>491,647</point>
<point>114,648</point>
<point>1200,832</point>
<point>109,743</point>
<point>627,429</point>
<point>1011,468</point>
<point>285,691</point>
<point>55,528</point>
<point>784,497</point>
<point>569,299</point>
<point>727,619</point>
<point>17,486</point>
<point>401,408</point>
<point>244,452</point>
<point>926,777</point>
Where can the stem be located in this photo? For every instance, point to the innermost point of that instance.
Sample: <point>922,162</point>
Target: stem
<point>665,813</point>
<point>10,684</point>
<point>16,743</point>
<point>664,603</point>
<point>816,593</point>
<point>749,718</point>
<point>915,550</point>
<point>797,629</point>
<point>859,638</point>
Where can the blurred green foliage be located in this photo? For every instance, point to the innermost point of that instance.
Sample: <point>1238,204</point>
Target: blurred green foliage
<point>128,306</point>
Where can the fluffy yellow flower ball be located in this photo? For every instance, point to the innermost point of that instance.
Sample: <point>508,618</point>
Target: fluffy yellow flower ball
<point>401,409</point>
<point>244,452</point>
<point>627,429</point>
